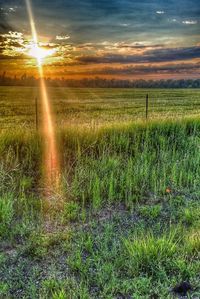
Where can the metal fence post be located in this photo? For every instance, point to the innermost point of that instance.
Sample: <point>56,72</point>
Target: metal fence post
<point>36,113</point>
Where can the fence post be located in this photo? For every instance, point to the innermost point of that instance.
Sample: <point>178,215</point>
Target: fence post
<point>147,105</point>
<point>36,113</point>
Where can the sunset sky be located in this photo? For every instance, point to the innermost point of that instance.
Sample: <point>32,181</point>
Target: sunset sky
<point>125,39</point>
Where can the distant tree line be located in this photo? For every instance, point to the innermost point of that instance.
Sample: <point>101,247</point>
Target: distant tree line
<point>25,80</point>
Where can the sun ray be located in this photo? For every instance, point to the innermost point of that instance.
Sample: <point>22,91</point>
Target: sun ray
<point>51,160</point>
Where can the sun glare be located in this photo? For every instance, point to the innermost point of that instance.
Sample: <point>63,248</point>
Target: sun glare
<point>39,53</point>
<point>51,160</point>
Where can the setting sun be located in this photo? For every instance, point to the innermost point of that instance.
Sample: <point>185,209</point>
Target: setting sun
<point>39,53</point>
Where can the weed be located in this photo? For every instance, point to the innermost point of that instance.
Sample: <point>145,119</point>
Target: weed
<point>147,253</point>
<point>6,213</point>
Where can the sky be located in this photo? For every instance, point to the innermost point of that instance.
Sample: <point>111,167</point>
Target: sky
<point>122,39</point>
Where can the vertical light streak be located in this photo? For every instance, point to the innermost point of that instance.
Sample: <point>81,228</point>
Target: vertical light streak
<point>51,163</point>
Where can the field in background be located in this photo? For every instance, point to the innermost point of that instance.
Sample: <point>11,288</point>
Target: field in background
<point>96,107</point>
<point>126,221</point>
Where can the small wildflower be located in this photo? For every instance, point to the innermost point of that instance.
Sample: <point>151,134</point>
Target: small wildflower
<point>168,190</point>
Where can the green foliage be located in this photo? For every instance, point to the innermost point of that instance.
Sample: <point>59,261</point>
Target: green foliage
<point>108,259</point>
<point>39,244</point>
<point>190,215</point>
<point>193,243</point>
<point>128,163</point>
<point>150,212</point>
<point>124,163</point>
<point>115,166</point>
<point>96,192</point>
<point>3,289</point>
<point>63,289</point>
<point>6,213</point>
<point>71,212</point>
<point>148,253</point>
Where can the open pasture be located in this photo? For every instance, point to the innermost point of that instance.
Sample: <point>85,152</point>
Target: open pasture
<point>96,107</point>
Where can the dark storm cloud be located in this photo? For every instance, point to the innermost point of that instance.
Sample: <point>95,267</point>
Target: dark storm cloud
<point>156,55</point>
<point>140,70</point>
<point>90,20</point>
<point>151,69</point>
<point>4,26</point>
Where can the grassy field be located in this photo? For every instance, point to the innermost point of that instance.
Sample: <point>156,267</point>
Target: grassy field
<point>96,107</point>
<point>125,222</point>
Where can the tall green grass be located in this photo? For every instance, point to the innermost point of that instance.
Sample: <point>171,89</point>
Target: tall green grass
<point>129,163</point>
<point>121,163</point>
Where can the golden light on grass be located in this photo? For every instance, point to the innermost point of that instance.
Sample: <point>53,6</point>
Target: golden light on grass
<point>51,160</point>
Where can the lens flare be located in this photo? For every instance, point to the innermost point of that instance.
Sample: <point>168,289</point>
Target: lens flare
<point>51,161</point>
<point>39,53</point>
